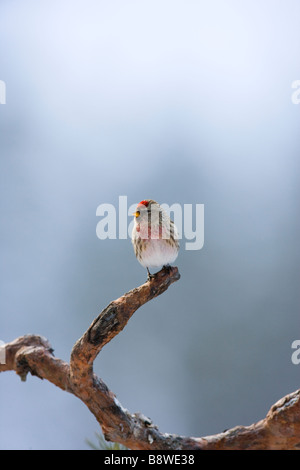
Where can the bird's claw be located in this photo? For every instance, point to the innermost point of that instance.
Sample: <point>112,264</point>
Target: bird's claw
<point>167,268</point>
<point>150,276</point>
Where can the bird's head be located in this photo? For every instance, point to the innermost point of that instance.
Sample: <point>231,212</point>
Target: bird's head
<point>143,209</point>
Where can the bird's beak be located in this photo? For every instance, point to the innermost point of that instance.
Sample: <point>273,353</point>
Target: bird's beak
<point>136,214</point>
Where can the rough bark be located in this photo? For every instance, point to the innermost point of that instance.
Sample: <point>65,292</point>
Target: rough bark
<point>280,429</point>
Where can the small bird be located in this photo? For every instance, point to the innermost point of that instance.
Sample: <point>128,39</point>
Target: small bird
<point>154,236</point>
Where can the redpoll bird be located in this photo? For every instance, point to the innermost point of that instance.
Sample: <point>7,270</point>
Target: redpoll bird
<point>154,236</point>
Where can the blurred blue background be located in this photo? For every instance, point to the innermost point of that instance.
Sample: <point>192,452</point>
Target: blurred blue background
<point>179,101</point>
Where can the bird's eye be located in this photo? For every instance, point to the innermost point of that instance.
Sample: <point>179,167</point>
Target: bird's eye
<point>137,214</point>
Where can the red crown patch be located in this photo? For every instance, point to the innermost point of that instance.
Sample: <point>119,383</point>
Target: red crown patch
<point>143,203</point>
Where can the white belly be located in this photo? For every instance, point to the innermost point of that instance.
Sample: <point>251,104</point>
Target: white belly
<point>158,253</point>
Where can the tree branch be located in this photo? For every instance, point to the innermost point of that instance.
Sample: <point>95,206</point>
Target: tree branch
<point>30,353</point>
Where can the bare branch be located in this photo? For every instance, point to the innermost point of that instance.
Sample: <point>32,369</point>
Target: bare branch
<point>279,430</point>
<point>113,319</point>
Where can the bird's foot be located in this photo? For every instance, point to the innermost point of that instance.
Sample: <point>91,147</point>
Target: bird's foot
<point>150,276</point>
<point>168,268</point>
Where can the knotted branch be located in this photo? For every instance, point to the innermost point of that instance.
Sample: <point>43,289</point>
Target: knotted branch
<point>30,353</point>
<point>113,319</point>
